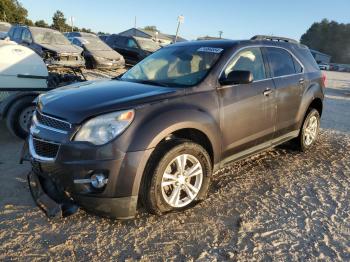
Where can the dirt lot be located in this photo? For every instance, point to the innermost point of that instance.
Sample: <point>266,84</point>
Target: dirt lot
<point>280,204</point>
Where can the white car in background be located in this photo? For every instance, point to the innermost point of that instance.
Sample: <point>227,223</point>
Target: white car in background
<point>4,28</point>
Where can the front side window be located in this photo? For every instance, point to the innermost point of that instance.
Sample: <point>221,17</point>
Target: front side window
<point>250,59</point>
<point>281,62</point>
<point>175,66</point>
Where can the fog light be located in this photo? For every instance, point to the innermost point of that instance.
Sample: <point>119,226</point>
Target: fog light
<point>98,180</point>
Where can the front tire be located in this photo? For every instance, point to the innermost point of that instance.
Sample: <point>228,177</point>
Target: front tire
<point>19,117</point>
<point>179,177</point>
<point>309,131</point>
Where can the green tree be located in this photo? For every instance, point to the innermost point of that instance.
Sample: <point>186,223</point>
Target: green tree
<point>151,28</point>
<point>331,38</point>
<point>59,22</point>
<point>13,12</point>
<point>41,23</point>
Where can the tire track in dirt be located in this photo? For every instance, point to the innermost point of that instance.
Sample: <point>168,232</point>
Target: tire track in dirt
<point>280,204</point>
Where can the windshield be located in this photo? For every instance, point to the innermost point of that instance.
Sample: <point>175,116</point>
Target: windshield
<point>46,36</point>
<point>4,27</point>
<point>94,43</point>
<point>148,45</point>
<point>175,66</point>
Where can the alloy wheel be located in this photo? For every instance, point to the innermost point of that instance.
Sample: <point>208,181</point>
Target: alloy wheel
<point>182,180</point>
<point>310,131</point>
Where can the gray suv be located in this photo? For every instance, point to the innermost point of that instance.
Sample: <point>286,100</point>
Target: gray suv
<point>155,135</point>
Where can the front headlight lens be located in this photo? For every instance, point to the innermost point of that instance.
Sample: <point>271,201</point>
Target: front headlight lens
<point>104,128</point>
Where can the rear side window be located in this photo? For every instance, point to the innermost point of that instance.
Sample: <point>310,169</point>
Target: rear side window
<point>250,59</point>
<point>281,62</point>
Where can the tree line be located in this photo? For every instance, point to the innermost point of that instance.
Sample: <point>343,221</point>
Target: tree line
<point>13,12</point>
<point>331,38</point>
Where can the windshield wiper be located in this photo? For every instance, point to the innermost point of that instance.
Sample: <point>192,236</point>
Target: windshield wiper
<point>144,81</point>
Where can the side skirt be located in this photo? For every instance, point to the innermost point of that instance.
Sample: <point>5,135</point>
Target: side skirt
<point>257,149</point>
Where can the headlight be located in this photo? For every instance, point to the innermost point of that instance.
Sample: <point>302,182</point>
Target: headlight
<point>104,128</point>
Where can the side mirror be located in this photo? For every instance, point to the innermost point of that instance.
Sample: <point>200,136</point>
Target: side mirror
<point>237,77</point>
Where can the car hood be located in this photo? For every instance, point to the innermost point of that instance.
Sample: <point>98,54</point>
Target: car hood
<point>60,49</point>
<point>77,102</point>
<point>108,54</point>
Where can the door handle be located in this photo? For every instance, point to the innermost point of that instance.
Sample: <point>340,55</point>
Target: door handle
<point>267,92</point>
<point>301,81</point>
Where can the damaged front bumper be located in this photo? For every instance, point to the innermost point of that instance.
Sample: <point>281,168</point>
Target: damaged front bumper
<point>51,208</point>
<point>55,192</point>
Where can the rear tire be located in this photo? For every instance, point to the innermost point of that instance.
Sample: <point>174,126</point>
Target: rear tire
<point>19,116</point>
<point>168,186</point>
<point>309,130</point>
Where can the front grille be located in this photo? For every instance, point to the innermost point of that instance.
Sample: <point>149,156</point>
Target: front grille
<point>45,149</point>
<point>52,122</point>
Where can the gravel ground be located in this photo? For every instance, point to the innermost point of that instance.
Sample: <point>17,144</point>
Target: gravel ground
<point>280,205</point>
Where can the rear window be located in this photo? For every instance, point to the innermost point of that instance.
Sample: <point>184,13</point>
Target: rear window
<point>281,62</point>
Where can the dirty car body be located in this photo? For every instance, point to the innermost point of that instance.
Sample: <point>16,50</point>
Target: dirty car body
<point>98,54</point>
<point>185,98</point>
<point>51,45</point>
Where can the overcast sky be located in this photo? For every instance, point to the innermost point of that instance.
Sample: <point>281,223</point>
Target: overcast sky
<point>238,19</point>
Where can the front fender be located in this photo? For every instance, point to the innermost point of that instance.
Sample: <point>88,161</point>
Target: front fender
<point>158,126</point>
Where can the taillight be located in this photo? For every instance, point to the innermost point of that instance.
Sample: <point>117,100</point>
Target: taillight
<point>324,79</point>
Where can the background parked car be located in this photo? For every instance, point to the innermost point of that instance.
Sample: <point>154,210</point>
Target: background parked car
<point>71,35</point>
<point>103,37</point>
<point>50,44</point>
<point>4,28</point>
<point>324,67</point>
<point>98,54</point>
<point>132,48</point>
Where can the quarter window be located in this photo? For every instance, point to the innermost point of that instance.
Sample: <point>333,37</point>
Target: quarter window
<point>26,36</point>
<point>297,66</point>
<point>249,59</point>
<point>131,43</point>
<point>281,62</point>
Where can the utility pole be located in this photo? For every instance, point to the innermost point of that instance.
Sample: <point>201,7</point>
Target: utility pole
<point>180,20</point>
<point>135,22</point>
<point>71,22</point>
<point>220,34</point>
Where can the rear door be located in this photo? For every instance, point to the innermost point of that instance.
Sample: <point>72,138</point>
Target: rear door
<point>17,34</point>
<point>288,76</point>
<point>247,111</point>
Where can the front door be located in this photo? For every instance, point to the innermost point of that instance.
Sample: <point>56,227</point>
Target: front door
<point>247,115</point>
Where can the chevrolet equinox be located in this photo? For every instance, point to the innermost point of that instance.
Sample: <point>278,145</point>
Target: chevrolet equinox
<point>155,135</point>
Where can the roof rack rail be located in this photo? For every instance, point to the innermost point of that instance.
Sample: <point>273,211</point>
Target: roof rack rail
<point>274,38</point>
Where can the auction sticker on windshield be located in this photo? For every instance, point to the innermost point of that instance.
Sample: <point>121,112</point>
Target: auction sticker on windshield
<point>210,50</point>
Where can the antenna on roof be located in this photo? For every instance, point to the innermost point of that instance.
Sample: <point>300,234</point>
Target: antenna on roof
<point>274,38</point>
